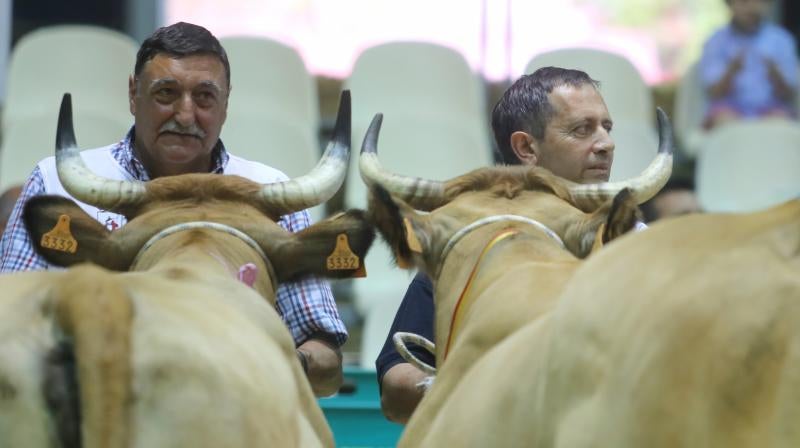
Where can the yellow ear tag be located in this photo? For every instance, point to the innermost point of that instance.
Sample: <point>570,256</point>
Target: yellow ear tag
<point>342,258</point>
<point>60,238</point>
<point>411,237</point>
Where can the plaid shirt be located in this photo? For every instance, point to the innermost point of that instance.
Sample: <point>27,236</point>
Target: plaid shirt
<point>307,306</point>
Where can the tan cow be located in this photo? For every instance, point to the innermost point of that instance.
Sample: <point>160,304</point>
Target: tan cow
<point>499,244</point>
<point>686,335</point>
<point>178,353</point>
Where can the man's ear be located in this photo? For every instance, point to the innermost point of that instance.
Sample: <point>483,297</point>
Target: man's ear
<point>405,231</point>
<point>65,235</point>
<point>132,94</point>
<point>525,148</point>
<point>611,220</point>
<point>334,247</point>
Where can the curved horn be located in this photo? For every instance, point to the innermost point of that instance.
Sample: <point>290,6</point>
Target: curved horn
<point>79,180</point>
<point>644,186</point>
<point>325,179</point>
<point>419,193</point>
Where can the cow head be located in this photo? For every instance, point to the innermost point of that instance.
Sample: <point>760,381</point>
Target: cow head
<point>242,214</point>
<point>419,218</point>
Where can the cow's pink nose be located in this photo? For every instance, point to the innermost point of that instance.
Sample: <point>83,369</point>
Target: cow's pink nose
<point>247,274</point>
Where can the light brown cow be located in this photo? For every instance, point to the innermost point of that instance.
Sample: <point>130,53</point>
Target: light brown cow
<point>700,347</point>
<point>499,244</point>
<point>178,353</point>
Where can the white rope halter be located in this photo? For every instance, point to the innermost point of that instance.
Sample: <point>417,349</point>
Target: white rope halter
<point>400,338</point>
<point>213,226</point>
<point>492,219</point>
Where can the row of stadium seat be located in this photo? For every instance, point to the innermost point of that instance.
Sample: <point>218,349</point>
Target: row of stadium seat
<point>436,124</point>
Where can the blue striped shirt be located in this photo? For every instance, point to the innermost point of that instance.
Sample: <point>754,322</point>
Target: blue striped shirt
<point>752,94</point>
<point>307,306</point>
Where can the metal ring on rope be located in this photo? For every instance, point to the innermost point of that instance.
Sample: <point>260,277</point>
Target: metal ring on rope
<point>401,337</point>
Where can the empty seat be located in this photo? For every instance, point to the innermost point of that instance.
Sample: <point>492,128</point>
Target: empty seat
<point>689,110</point>
<point>273,110</point>
<point>92,63</point>
<point>636,145</point>
<point>30,140</point>
<point>624,90</point>
<point>750,165</point>
<point>435,126</point>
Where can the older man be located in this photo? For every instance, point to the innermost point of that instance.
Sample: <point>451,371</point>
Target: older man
<point>178,95</point>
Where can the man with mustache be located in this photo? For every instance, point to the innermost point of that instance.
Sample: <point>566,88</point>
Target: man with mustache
<point>178,95</point>
<point>554,118</point>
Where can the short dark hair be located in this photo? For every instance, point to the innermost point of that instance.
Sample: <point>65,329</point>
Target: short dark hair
<point>180,40</point>
<point>525,106</point>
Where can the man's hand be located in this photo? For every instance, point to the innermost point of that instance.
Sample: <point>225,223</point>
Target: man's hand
<point>781,88</point>
<point>736,64</point>
<point>323,366</point>
<point>725,84</point>
<point>400,391</point>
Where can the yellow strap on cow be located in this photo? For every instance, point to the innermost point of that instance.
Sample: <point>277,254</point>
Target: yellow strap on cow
<point>455,321</point>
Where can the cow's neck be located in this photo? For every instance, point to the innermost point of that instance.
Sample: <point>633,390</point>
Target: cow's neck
<point>215,257</point>
<point>513,282</point>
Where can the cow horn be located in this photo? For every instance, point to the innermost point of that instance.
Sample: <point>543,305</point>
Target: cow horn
<point>79,180</point>
<point>419,193</point>
<point>325,179</point>
<point>644,186</point>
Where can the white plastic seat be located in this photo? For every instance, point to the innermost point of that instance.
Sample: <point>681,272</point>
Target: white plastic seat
<point>635,147</point>
<point>92,63</point>
<point>624,90</point>
<point>435,126</point>
<point>748,166</point>
<point>273,110</point>
<point>30,140</point>
<point>270,84</point>
<point>415,76</point>
<point>689,110</point>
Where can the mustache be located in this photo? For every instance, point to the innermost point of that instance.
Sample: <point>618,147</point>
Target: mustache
<point>175,127</point>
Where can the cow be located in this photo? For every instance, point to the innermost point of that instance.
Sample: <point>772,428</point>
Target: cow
<point>500,244</point>
<point>149,338</point>
<point>700,347</point>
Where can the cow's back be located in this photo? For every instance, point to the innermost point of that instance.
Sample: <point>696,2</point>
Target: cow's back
<point>26,337</point>
<point>211,362</point>
<point>213,366</point>
<point>685,335</point>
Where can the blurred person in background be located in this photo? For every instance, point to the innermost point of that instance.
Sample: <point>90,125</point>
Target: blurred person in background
<point>675,199</point>
<point>749,67</point>
<point>7,200</point>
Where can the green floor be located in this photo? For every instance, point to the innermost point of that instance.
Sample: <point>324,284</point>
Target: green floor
<point>355,413</point>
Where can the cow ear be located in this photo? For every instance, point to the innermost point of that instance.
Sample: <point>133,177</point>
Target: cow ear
<point>611,220</point>
<point>622,217</point>
<point>405,230</point>
<point>64,234</point>
<point>334,247</point>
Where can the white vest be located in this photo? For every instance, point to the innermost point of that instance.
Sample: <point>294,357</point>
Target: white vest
<point>101,162</point>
